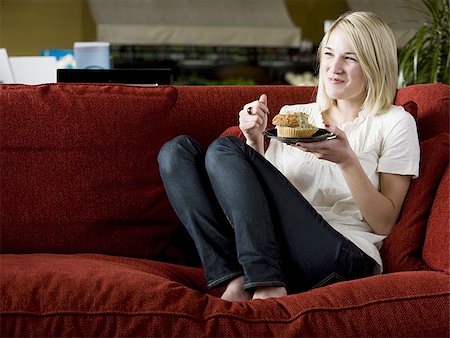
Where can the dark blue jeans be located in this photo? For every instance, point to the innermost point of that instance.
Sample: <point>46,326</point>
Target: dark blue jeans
<point>247,219</point>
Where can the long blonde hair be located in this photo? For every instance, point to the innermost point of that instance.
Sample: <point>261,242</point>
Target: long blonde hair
<point>376,49</point>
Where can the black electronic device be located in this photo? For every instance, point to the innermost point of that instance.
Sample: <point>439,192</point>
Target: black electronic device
<point>153,76</point>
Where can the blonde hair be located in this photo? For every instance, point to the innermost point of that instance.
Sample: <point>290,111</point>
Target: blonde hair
<point>376,49</point>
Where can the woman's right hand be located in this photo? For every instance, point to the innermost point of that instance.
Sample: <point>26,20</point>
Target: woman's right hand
<point>253,121</point>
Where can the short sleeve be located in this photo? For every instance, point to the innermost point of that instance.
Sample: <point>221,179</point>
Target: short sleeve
<point>400,152</point>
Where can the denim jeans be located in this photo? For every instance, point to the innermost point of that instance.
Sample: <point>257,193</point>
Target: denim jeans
<point>247,219</point>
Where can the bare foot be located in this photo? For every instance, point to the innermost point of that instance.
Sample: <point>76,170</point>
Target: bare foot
<point>235,291</point>
<point>269,292</point>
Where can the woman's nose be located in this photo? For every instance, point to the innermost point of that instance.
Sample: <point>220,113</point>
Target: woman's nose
<point>336,66</point>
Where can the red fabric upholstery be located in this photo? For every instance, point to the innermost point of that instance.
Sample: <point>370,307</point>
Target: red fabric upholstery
<point>82,205</point>
<point>433,107</point>
<point>436,249</point>
<point>402,249</point>
<point>79,168</point>
<point>233,131</point>
<point>69,295</point>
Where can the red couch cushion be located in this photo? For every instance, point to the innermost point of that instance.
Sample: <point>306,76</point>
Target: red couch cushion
<point>402,249</point>
<point>79,170</point>
<point>433,102</point>
<point>95,295</point>
<point>436,249</point>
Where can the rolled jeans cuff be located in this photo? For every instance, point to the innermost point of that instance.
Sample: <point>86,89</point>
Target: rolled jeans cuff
<point>251,286</point>
<point>219,281</point>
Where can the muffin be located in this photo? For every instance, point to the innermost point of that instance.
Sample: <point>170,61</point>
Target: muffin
<point>294,125</point>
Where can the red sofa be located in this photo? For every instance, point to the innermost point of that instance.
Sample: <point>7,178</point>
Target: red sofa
<point>91,247</point>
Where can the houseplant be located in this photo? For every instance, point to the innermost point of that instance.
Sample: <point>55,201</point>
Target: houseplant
<point>425,57</point>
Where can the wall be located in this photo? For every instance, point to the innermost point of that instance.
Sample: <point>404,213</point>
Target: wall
<point>310,15</point>
<point>28,26</point>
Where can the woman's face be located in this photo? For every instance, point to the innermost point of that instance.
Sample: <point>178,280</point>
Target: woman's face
<point>343,76</point>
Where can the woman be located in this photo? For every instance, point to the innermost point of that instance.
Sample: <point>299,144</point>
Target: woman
<point>297,217</point>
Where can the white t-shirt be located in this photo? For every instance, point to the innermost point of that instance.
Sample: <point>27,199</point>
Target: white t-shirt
<point>383,143</point>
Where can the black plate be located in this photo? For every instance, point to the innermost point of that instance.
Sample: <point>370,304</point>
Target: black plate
<point>320,135</point>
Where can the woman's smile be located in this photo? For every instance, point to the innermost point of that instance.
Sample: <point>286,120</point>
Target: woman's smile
<point>336,81</point>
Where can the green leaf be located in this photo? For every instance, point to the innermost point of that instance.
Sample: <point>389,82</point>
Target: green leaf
<point>417,48</point>
<point>426,56</point>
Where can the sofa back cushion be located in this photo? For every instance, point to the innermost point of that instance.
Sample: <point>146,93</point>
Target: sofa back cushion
<point>436,249</point>
<point>78,169</point>
<point>402,249</point>
<point>432,102</point>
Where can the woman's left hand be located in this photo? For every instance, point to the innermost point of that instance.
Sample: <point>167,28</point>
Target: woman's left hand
<point>337,150</point>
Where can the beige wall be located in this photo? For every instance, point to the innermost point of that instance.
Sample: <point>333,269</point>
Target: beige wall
<point>28,26</point>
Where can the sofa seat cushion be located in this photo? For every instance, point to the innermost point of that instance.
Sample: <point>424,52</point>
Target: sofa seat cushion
<point>79,170</point>
<point>96,295</point>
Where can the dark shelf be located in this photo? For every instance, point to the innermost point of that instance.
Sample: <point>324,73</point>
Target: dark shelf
<point>206,65</point>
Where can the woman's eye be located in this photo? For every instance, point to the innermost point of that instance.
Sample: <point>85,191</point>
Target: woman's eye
<point>328,54</point>
<point>349,58</point>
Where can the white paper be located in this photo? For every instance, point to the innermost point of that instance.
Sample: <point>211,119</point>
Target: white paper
<point>6,75</point>
<point>33,69</point>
